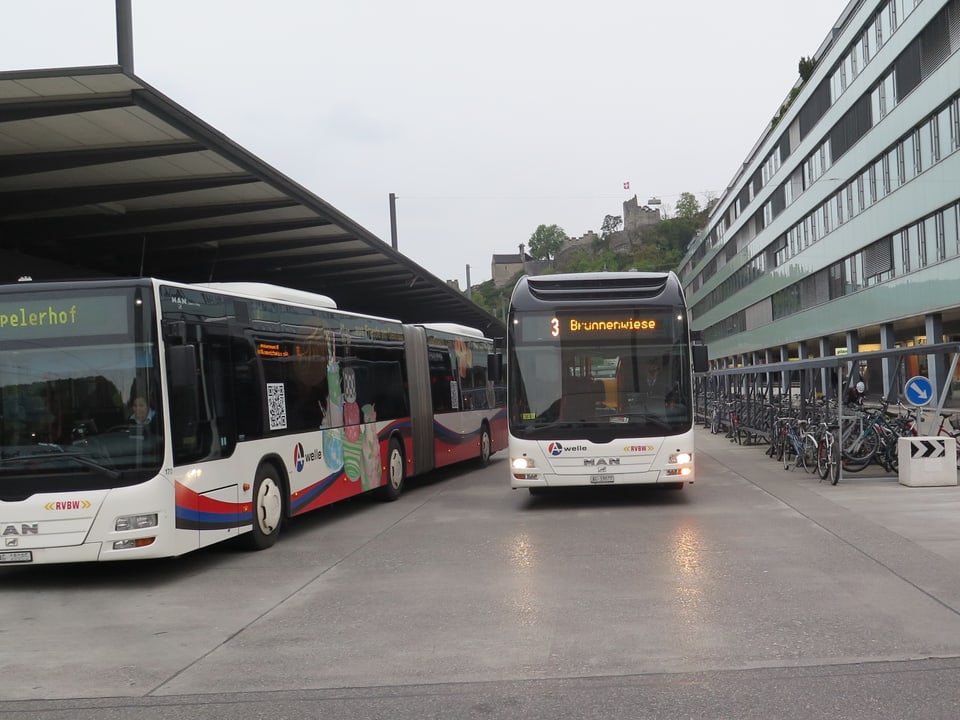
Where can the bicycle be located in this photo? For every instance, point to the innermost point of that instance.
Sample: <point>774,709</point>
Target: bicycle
<point>859,441</point>
<point>801,443</point>
<point>828,453</point>
<point>733,413</point>
<point>715,416</point>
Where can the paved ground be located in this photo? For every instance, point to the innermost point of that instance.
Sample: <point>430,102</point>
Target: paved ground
<point>467,599</point>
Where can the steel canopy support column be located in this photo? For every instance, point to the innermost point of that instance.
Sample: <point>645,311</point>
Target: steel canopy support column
<point>889,364</point>
<point>936,364</point>
<point>785,375</point>
<point>768,359</point>
<point>825,351</point>
<point>853,346</point>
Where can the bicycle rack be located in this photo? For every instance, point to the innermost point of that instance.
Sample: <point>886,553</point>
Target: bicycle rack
<point>798,382</point>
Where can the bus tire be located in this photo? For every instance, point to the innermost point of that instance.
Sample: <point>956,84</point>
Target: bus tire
<point>395,473</point>
<point>485,446</point>
<point>267,509</point>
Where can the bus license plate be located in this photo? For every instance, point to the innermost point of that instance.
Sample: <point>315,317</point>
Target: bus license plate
<point>16,556</point>
<point>601,479</point>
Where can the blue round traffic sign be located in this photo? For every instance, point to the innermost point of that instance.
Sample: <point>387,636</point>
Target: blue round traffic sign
<point>918,390</point>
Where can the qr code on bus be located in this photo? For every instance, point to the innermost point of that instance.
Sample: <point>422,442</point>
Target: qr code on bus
<point>276,406</point>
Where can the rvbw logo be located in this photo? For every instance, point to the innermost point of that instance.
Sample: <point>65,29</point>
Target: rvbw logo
<point>301,458</point>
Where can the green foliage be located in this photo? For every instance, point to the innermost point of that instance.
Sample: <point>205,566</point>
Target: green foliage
<point>805,67</point>
<point>687,206</point>
<point>786,106</point>
<point>493,299</point>
<point>546,241</point>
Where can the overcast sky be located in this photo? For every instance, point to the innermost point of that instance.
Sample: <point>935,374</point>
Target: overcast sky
<point>485,119</point>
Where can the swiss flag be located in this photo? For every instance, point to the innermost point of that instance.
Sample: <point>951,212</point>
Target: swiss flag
<point>626,186</point>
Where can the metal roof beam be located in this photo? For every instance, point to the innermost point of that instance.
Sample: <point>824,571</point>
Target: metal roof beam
<point>48,199</point>
<point>35,109</point>
<point>86,225</point>
<point>30,163</point>
<point>189,236</point>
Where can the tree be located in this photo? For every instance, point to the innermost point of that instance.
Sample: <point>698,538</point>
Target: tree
<point>687,206</point>
<point>546,242</point>
<point>611,224</point>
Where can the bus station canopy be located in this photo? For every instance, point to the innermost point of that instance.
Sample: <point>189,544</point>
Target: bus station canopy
<point>103,176</point>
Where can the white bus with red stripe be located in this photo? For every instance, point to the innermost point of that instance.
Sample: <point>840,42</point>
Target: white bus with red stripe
<point>264,402</point>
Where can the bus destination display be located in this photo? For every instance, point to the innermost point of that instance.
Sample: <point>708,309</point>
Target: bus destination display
<point>592,326</point>
<point>63,317</point>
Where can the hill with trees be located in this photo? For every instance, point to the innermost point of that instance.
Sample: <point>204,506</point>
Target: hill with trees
<point>657,248</point>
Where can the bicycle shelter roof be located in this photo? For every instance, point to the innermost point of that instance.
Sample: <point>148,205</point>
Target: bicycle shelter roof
<point>101,175</point>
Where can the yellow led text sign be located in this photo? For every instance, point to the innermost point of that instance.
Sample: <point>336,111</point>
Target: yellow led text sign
<point>22,319</point>
<point>601,326</point>
<point>51,316</point>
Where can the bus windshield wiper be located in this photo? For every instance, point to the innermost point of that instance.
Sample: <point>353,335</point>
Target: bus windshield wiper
<point>650,418</point>
<point>554,424</point>
<point>57,455</point>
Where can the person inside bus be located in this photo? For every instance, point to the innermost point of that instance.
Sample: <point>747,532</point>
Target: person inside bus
<point>654,381</point>
<point>143,419</point>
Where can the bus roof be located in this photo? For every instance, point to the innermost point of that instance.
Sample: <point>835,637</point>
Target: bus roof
<point>454,329</point>
<point>597,288</point>
<point>272,292</point>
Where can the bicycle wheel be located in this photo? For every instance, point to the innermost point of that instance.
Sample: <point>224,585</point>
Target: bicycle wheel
<point>781,443</point>
<point>859,450</point>
<point>771,450</point>
<point>823,458</point>
<point>788,452</point>
<point>834,461</point>
<point>808,455</point>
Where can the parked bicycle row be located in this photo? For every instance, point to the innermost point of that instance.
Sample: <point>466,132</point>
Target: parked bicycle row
<point>825,436</point>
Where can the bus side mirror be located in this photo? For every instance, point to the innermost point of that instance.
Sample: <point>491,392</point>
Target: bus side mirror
<point>494,367</point>
<point>182,366</point>
<point>700,358</point>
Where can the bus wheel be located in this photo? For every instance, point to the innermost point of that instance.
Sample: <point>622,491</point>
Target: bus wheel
<point>267,509</point>
<point>391,491</point>
<point>484,458</point>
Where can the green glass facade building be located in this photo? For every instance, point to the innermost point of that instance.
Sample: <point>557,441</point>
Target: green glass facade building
<point>841,229</point>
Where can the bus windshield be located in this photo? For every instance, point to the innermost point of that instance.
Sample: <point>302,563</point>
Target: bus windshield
<point>79,403</point>
<point>574,375</point>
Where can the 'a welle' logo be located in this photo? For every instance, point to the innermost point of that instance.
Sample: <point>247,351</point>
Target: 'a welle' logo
<point>301,458</point>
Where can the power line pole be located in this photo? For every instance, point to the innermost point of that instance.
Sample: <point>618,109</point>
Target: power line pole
<point>393,221</point>
<point>125,36</point>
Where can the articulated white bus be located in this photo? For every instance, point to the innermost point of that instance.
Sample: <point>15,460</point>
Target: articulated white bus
<point>599,386</point>
<point>145,418</point>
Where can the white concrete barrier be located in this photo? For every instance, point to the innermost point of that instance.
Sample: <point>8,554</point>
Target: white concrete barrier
<point>927,461</point>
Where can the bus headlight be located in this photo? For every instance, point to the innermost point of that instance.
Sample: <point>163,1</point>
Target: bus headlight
<point>680,458</point>
<point>524,468</point>
<point>136,522</point>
